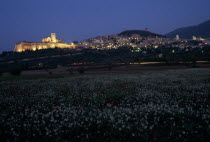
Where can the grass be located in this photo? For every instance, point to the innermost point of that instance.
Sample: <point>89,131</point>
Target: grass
<point>57,76</point>
<point>166,105</point>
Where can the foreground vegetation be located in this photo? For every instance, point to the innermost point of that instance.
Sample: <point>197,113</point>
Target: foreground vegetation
<point>168,105</point>
<point>51,58</point>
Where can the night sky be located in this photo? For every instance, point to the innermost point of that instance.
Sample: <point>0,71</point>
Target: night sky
<point>32,20</point>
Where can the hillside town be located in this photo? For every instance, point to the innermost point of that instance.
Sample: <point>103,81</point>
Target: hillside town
<point>134,39</point>
<point>138,41</point>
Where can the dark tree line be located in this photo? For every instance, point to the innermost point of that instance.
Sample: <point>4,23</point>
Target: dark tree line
<point>125,54</point>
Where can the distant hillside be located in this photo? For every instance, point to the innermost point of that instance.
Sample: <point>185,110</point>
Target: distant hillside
<point>201,30</point>
<point>140,32</point>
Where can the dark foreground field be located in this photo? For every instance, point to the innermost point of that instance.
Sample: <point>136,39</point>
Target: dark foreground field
<point>166,105</point>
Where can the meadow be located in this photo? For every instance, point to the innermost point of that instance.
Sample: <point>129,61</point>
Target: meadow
<point>165,105</point>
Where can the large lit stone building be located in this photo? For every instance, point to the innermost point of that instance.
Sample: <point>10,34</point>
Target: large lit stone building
<point>50,42</point>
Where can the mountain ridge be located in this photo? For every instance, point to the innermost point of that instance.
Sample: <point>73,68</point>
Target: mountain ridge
<point>200,30</point>
<point>142,33</point>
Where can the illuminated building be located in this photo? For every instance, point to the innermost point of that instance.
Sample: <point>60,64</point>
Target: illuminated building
<point>50,42</point>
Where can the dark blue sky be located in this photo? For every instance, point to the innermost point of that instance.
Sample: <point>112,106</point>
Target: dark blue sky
<point>32,20</point>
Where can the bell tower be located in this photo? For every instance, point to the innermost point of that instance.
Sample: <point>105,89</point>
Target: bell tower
<point>53,37</point>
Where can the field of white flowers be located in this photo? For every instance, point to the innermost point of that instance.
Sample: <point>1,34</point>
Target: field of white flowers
<point>147,106</point>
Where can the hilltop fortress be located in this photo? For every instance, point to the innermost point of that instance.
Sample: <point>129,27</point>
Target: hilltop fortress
<point>50,42</point>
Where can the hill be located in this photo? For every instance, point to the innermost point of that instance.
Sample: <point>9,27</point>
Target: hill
<point>139,32</point>
<point>201,30</point>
